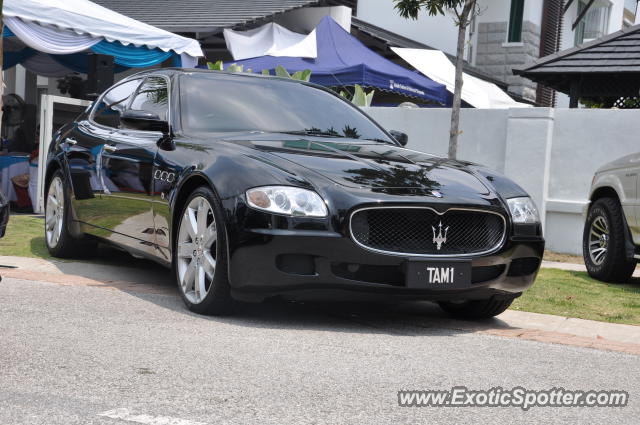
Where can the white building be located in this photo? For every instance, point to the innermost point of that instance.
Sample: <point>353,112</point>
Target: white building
<point>508,33</point>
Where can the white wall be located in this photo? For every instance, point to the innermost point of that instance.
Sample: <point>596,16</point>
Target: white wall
<point>487,125</point>
<point>551,153</point>
<point>532,11</point>
<point>496,10</point>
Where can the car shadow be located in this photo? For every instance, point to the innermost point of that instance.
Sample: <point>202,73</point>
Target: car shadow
<point>153,283</point>
<point>384,317</point>
<point>119,270</point>
<point>418,318</point>
<point>634,281</point>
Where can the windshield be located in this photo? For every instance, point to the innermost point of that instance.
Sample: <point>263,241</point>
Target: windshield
<point>224,103</point>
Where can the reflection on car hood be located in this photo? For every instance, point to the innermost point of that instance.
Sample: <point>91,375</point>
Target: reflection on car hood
<point>368,164</point>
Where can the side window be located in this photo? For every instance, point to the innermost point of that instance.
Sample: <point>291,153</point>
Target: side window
<point>113,103</point>
<point>153,97</point>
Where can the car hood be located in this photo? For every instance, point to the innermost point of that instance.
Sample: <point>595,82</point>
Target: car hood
<point>365,164</point>
<point>628,161</point>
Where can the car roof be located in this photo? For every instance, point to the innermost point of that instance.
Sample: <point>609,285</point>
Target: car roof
<point>186,71</point>
<point>172,72</point>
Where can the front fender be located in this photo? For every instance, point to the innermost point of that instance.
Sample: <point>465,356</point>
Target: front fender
<point>609,181</point>
<point>57,160</point>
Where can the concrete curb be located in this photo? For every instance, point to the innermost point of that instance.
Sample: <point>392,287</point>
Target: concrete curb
<point>573,267</point>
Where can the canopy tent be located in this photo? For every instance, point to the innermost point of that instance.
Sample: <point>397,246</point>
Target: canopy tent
<point>342,60</point>
<point>55,35</point>
<point>476,92</point>
<point>270,39</point>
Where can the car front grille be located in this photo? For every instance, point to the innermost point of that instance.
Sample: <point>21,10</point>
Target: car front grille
<point>422,231</point>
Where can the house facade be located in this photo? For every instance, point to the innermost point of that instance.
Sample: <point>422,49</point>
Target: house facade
<point>509,33</point>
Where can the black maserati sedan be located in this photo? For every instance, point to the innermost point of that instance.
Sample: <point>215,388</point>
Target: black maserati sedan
<point>250,187</point>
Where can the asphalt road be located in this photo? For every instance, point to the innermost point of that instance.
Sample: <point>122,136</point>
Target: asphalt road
<point>71,353</point>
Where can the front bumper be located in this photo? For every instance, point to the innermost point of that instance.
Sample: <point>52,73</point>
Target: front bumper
<point>307,264</point>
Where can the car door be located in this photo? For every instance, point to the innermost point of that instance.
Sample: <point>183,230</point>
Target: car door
<point>83,146</point>
<point>128,161</point>
<point>634,175</point>
<point>166,171</point>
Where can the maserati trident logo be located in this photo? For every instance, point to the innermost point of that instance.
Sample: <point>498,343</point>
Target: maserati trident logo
<point>439,239</point>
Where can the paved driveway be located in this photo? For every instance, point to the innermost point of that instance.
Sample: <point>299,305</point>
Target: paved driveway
<point>69,353</point>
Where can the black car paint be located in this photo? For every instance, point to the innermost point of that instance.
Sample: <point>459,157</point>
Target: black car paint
<point>4,214</point>
<point>347,173</point>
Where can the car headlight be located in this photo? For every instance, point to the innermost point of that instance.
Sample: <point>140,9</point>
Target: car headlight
<point>287,200</point>
<point>523,210</point>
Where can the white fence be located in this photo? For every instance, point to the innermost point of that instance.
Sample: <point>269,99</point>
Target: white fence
<point>551,153</point>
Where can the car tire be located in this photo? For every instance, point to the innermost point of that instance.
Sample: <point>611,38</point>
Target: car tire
<point>476,309</point>
<point>59,241</point>
<point>603,242</point>
<point>200,252</point>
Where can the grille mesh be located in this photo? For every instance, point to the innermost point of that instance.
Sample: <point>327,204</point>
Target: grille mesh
<point>411,230</point>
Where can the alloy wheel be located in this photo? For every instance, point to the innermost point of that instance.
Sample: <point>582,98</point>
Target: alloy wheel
<point>598,240</point>
<point>196,250</point>
<point>54,213</point>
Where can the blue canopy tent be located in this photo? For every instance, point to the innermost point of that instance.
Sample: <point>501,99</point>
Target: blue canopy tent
<point>342,60</point>
<point>53,38</point>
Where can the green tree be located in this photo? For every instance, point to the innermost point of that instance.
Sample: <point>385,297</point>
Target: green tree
<point>464,11</point>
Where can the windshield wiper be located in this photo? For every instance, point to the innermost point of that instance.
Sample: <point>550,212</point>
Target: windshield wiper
<point>318,133</point>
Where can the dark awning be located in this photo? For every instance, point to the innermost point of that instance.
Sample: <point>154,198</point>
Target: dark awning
<point>201,16</point>
<point>608,67</point>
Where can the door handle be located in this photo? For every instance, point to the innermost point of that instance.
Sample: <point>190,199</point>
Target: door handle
<point>109,148</point>
<point>70,141</point>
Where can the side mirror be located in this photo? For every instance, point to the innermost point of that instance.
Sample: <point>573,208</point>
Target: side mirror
<point>144,120</point>
<point>400,137</point>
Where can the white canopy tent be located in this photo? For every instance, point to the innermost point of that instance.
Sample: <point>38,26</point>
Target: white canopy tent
<point>270,39</point>
<point>476,92</point>
<point>69,26</point>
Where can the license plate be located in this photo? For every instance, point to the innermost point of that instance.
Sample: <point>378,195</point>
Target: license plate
<point>438,274</point>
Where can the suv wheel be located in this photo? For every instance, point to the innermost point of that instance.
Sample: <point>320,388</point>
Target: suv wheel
<point>603,242</point>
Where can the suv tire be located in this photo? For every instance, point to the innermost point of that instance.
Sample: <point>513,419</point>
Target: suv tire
<point>603,242</point>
